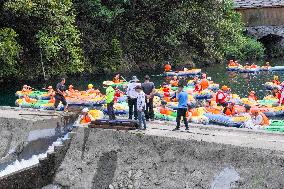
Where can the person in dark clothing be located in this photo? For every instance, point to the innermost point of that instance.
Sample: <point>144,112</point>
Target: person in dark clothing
<point>59,94</point>
<point>149,89</point>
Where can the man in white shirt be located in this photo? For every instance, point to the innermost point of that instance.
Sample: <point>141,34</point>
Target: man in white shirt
<point>141,105</point>
<point>132,97</point>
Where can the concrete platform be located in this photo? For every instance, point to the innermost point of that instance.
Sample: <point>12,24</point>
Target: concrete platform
<point>204,157</point>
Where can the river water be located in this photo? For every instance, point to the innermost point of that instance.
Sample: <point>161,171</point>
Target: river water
<point>239,83</point>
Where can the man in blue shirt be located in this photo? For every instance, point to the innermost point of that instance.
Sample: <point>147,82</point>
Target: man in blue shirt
<point>182,98</point>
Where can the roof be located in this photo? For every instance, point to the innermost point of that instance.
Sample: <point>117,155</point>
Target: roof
<point>244,4</point>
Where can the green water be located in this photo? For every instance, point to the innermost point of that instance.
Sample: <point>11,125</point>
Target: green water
<point>239,83</point>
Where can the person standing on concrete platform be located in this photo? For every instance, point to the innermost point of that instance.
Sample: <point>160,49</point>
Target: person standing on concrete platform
<point>59,94</point>
<point>149,90</point>
<point>141,105</point>
<point>132,97</point>
<point>109,98</point>
<point>182,98</point>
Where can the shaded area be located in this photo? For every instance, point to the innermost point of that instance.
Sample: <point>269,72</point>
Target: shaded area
<point>105,171</point>
<point>272,44</point>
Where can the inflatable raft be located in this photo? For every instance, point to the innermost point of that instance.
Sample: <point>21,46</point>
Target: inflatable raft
<point>226,120</point>
<point>192,72</point>
<point>276,68</point>
<point>234,68</point>
<point>249,70</point>
<point>276,125</point>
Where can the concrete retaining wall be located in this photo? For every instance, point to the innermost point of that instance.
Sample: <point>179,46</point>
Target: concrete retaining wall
<point>40,174</point>
<point>102,159</point>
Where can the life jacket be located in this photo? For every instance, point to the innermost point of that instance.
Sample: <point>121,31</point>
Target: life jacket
<point>116,80</point>
<point>194,112</point>
<point>86,119</point>
<point>204,84</point>
<point>229,111</point>
<point>265,120</point>
<point>174,83</point>
<point>197,88</point>
<point>52,100</point>
<point>253,66</point>
<point>166,91</point>
<point>168,67</point>
<point>222,100</point>
<point>276,82</point>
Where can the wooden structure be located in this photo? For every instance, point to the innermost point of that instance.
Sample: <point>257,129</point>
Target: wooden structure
<point>114,124</point>
<point>261,12</point>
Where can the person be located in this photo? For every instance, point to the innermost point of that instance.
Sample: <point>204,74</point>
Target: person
<point>260,119</point>
<point>253,65</point>
<point>229,110</point>
<point>174,81</point>
<point>168,67</point>
<point>132,97</point>
<point>276,80</point>
<point>276,93</point>
<point>221,96</point>
<point>59,94</point>
<point>90,89</point>
<point>85,117</point>
<point>26,89</point>
<point>182,98</point>
<point>166,89</point>
<point>267,65</point>
<point>149,90</point>
<point>281,94</point>
<point>71,89</point>
<point>252,96</point>
<point>197,86</point>
<point>204,82</point>
<point>51,94</point>
<point>110,92</point>
<point>116,78</point>
<point>141,106</point>
<point>231,63</point>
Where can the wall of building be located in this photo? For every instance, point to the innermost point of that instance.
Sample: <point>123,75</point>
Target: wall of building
<point>269,16</point>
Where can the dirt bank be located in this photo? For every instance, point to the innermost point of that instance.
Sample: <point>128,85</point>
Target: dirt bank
<point>200,158</point>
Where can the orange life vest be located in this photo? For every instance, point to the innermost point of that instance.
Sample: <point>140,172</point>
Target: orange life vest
<point>86,119</point>
<point>276,82</point>
<point>204,84</point>
<point>116,80</point>
<point>229,111</point>
<point>168,67</point>
<point>265,120</point>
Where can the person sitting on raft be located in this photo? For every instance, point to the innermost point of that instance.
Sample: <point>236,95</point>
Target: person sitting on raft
<point>252,96</point>
<point>281,95</point>
<point>168,67</point>
<point>26,89</point>
<point>221,96</point>
<point>85,117</point>
<point>204,82</point>
<point>197,86</point>
<point>91,90</point>
<point>232,63</point>
<point>260,119</point>
<point>116,78</point>
<point>267,65</point>
<point>229,110</point>
<point>51,94</point>
<point>276,80</point>
<point>174,81</point>
<point>253,65</point>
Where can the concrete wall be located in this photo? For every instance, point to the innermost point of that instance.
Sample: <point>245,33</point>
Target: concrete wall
<point>102,159</point>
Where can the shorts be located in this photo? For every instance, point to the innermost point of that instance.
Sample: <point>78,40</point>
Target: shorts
<point>58,99</point>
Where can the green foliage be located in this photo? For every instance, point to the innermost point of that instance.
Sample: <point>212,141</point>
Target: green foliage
<point>58,37</point>
<point>9,52</point>
<point>100,36</point>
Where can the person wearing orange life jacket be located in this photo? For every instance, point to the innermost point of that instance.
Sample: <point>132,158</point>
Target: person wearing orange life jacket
<point>197,86</point>
<point>260,119</point>
<point>168,67</point>
<point>252,96</point>
<point>276,80</point>
<point>221,96</point>
<point>229,110</point>
<point>253,65</point>
<point>85,117</point>
<point>204,82</point>
<point>116,78</point>
<point>174,81</point>
<point>231,63</point>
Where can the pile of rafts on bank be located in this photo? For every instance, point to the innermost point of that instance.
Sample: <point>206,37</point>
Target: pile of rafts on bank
<point>202,102</point>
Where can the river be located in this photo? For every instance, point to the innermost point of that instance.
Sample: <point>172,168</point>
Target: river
<point>239,83</point>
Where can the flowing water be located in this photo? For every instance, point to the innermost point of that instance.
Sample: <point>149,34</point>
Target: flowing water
<point>240,83</point>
